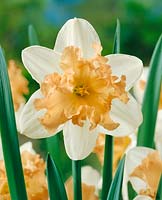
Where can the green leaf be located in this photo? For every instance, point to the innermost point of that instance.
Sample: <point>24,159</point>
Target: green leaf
<point>33,38</point>
<point>108,153</point>
<point>151,99</point>
<point>55,184</point>
<point>131,192</point>
<point>116,46</point>
<point>9,137</point>
<point>108,166</point>
<point>116,185</point>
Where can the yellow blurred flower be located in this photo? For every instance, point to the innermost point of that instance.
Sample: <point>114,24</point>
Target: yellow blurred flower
<point>120,146</point>
<point>34,173</point>
<point>19,84</point>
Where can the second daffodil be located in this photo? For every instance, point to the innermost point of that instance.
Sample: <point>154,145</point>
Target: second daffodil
<point>81,92</point>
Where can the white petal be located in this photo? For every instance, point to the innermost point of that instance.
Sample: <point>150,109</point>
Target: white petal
<point>79,141</point>
<point>135,156</point>
<point>158,133</point>
<point>133,143</point>
<point>40,61</point>
<point>90,177</point>
<point>17,115</point>
<point>127,65</point>
<point>1,151</point>
<point>137,90</point>
<point>27,147</point>
<point>138,184</point>
<point>79,33</point>
<point>133,159</point>
<point>128,115</point>
<point>29,119</point>
<point>142,197</point>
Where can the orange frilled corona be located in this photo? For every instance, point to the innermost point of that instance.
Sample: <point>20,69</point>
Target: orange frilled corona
<point>84,91</point>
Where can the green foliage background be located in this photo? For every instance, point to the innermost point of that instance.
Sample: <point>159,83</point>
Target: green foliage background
<point>141,22</point>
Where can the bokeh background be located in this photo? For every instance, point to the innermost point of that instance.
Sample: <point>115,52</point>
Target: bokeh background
<point>141,25</point>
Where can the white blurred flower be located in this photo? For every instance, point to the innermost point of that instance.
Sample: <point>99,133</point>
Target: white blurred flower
<point>90,180</point>
<point>142,197</point>
<point>143,168</point>
<point>139,89</point>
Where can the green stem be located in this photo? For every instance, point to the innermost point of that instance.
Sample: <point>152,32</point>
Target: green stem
<point>108,166</point>
<point>76,170</point>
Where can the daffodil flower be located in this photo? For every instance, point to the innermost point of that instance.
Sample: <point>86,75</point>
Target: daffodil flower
<point>81,92</point>
<point>143,168</point>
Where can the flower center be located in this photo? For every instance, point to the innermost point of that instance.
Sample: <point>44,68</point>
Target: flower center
<point>81,90</point>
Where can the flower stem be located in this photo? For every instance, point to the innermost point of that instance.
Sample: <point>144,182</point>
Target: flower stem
<point>77,187</point>
<point>108,166</point>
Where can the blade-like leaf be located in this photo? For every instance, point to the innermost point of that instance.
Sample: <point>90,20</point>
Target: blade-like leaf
<point>55,184</point>
<point>116,46</point>
<point>151,99</point>
<point>9,137</point>
<point>33,39</point>
<point>116,185</point>
<point>108,154</point>
<point>131,192</point>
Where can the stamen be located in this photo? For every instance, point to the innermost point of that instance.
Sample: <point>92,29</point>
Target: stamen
<point>81,90</point>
